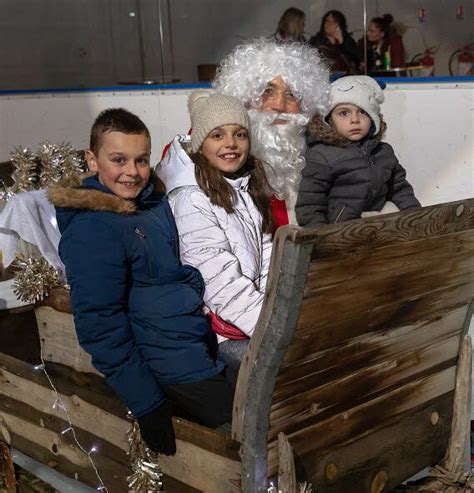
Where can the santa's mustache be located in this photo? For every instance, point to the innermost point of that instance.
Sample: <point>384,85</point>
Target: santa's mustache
<point>270,117</point>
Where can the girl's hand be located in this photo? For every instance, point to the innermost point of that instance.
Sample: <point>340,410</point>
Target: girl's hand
<point>338,35</point>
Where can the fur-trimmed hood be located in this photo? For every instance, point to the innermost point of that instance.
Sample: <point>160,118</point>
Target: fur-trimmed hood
<point>73,193</point>
<point>321,131</point>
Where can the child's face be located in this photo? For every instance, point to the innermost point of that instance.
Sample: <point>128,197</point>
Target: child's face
<point>227,148</point>
<point>350,121</point>
<point>122,163</point>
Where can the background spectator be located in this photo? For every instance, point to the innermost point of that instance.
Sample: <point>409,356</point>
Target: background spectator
<point>336,44</point>
<point>291,26</point>
<point>381,38</point>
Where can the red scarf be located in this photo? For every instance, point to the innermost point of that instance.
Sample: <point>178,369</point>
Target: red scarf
<point>280,213</point>
<point>225,329</point>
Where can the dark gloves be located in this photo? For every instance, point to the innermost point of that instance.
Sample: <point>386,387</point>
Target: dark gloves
<point>157,430</point>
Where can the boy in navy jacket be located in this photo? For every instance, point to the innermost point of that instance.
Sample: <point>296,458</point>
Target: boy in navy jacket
<point>137,309</point>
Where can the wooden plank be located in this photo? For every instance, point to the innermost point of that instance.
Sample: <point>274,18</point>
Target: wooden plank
<point>417,342</point>
<point>378,289</point>
<point>94,392</point>
<point>267,346</point>
<point>47,446</point>
<point>352,424</point>
<point>406,226</point>
<point>247,367</point>
<point>456,462</point>
<point>455,458</point>
<point>31,397</point>
<point>88,387</point>
<point>172,485</point>
<point>113,467</point>
<point>311,329</point>
<point>208,439</point>
<point>57,423</point>
<point>106,425</point>
<point>191,465</point>
<point>341,304</point>
<point>286,465</point>
<point>399,450</point>
<point>357,388</point>
<point>59,340</point>
<point>201,469</point>
<point>329,271</point>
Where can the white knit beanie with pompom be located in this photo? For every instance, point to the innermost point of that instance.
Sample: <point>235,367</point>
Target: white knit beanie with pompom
<point>361,91</point>
<point>209,110</point>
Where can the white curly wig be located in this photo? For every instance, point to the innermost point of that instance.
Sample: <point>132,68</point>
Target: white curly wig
<point>246,71</point>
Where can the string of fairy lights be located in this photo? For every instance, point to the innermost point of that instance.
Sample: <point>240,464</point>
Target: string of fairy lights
<point>59,405</point>
<point>146,470</point>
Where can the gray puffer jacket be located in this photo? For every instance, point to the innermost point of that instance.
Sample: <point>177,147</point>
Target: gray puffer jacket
<point>342,179</point>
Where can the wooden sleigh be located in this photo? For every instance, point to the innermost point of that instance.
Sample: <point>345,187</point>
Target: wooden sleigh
<point>357,376</point>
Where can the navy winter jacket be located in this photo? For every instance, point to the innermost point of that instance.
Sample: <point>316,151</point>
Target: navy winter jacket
<point>137,309</point>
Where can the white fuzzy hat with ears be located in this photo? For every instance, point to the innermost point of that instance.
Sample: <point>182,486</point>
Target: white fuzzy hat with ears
<point>361,91</point>
<point>209,110</point>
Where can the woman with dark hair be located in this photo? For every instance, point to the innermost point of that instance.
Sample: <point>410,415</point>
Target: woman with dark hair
<point>336,44</point>
<point>291,26</point>
<point>384,47</point>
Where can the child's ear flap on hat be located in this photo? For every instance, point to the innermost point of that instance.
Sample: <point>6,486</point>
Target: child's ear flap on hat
<point>378,94</point>
<point>199,96</point>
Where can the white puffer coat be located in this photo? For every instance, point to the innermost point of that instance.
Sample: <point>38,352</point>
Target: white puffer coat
<point>230,250</point>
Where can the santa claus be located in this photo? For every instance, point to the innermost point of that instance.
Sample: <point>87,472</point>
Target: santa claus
<point>282,85</point>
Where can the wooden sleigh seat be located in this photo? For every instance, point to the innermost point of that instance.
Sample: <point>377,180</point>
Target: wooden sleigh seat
<point>349,378</point>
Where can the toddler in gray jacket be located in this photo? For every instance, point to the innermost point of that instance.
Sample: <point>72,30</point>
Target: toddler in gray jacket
<point>349,172</point>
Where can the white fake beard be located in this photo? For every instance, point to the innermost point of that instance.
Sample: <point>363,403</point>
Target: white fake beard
<point>280,147</point>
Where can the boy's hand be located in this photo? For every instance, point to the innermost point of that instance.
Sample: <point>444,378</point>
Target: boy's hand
<point>157,430</point>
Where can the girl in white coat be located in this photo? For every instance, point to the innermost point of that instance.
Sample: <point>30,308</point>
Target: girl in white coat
<point>221,202</point>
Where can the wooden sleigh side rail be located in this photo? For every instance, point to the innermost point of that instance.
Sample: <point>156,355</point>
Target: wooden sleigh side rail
<point>354,356</point>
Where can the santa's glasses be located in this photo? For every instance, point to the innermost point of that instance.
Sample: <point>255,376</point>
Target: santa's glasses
<point>270,93</point>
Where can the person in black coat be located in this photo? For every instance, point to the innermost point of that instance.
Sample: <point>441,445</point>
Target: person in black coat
<point>336,44</point>
<point>349,172</point>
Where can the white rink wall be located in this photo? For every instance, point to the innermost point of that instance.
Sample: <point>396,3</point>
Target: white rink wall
<point>430,126</point>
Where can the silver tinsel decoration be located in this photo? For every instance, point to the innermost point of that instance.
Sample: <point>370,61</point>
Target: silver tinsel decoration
<point>73,163</point>
<point>58,161</point>
<point>35,279</point>
<point>147,475</point>
<point>24,174</point>
<point>50,161</point>
<point>48,165</point>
